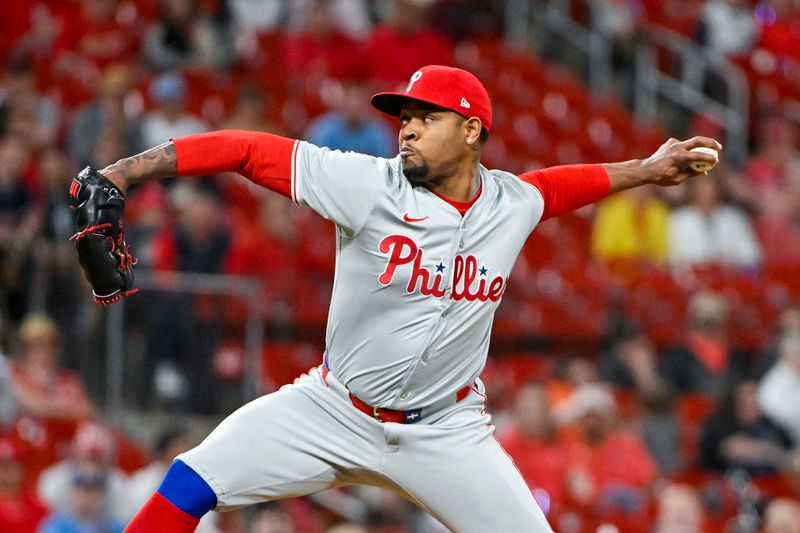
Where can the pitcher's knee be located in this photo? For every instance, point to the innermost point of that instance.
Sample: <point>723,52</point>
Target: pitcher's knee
<point>186,490</point>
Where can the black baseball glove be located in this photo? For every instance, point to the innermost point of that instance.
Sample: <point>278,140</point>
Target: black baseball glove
<point>99,208</point>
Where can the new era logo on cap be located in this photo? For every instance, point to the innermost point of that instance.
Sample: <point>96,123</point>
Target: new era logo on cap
<point>451,88</point>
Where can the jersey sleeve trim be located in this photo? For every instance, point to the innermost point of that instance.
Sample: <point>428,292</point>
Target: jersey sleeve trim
<point>293,176</point>
<point>535,188</point>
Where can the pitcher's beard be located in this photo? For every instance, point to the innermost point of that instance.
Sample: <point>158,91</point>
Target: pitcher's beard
<point>416,172</point>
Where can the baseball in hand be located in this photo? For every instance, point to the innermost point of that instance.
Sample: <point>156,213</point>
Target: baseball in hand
<point>704,166</point>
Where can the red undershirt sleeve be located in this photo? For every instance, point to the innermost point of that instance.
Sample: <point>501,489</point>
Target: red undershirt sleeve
<point>264,158</point>
<point>568,187</point>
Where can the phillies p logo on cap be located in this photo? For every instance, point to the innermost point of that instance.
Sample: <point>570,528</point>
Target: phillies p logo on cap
<point>414,77</point>
<point>453,89</point>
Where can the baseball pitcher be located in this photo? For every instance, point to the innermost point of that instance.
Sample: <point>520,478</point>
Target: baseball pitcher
<point>425,245</point>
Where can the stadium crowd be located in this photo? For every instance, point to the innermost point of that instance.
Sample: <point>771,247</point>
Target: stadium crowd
<point>646,359</point>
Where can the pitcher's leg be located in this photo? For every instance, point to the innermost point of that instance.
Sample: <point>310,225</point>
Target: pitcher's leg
<point>298,440</point>
<point>459,473</point>
<point>283,445</point>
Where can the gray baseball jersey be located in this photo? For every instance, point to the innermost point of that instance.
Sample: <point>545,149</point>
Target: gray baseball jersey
<point>416,283</point>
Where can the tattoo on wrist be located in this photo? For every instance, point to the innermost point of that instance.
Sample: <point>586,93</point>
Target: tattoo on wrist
<point>155,163</point>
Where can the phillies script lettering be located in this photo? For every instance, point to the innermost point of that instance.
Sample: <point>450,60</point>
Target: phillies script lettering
<point>403,250</point>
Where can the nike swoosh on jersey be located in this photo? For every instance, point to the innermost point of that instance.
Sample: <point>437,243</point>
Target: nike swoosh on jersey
<point>409,219</point>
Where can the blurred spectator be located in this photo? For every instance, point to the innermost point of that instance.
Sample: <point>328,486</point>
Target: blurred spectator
<point>44,31</point>
<point>608,468</point>
<point>169,119</point>
<point>782,515</point>
<point>19,223</point>
<point>319,47</point>
<point>739,436</point>
<point>8,404</point>
<point>461,20</point>
<point>105,115</point>
<point>710,231</point>
<point>571,374</point>
<point>98,34</point>
<point>788,325</point>
<point>538,451</point>
<point>185,38</point>
<point>776,163</point>
<point>199,241</point>
<point>405,29</point>
<point>348,127</point>
<point>108,32</point>
<point>24,112</point>
<point>149,213</point>
<point>632,225</point>
<point>58,282</point>
<point>270,517</point>
<point>20,509</point>
<point>14,23</point>
<point>779,391</point>
<point>89,466</point>
<point>774,174</point>
<point>85,511</point>
<point>184,329</point>
<point>679,510</point>
<point>250,112</point>
<point>727,27</point>
<point>704,360</point>
<point>143,483</point>
<point>55,172</point>
<point>632,363</point>
<point>42,388</point>
<point>270,251</point>
<point>149,210</point>
<point>619,21</point>
<point>351,17</point>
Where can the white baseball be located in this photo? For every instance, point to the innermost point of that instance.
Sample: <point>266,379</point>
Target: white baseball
<point>704,166</point>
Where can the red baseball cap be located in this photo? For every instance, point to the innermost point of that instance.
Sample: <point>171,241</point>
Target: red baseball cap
<point>451,88</point>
